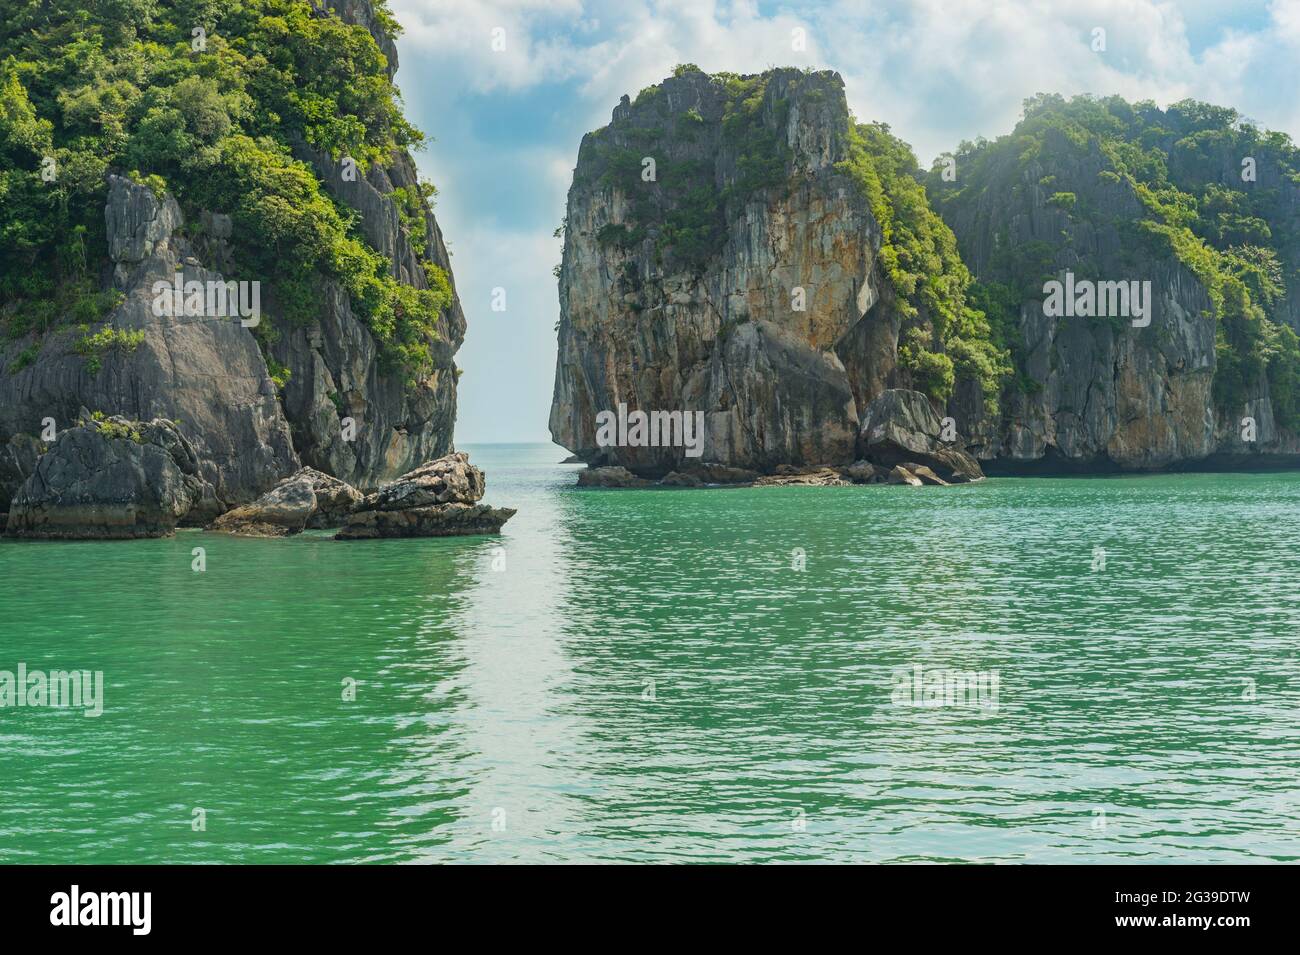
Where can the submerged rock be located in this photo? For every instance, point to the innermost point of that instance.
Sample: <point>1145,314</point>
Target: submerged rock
<point>437,499</point>
<point>308,498</point>
<point>110,478</point>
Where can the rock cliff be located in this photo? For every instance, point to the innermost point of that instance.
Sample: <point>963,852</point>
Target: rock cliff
<point>350,367</point>
<point>740,248</point>
<point>207,373</point>
<point>724,254</point>
<point>1108,191</point>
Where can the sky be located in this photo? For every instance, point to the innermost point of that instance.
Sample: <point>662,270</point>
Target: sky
<point>505,123</point>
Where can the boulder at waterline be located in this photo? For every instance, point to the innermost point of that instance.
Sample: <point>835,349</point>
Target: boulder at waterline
<point>901,475</point>
<point>678,479</point>
<point>613,476</point>
<point>440,498</point>
<point>901,426</point>
<point>862,472</point>
<point>110,478</point>
<point>450,479</point>
<point>309,498</point>
<point>926,475</point>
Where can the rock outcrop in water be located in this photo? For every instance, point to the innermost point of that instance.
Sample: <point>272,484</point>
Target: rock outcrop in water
<point>749,279</point>
<point>437,499</point>
<point>361,388</point>
<point>306,499</point>
<point>737,246</point>
<point>110,478</point>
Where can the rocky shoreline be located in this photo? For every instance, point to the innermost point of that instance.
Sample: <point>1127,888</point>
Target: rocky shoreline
<point>113,478</point>
<point>786,475</point>
<point>900,442</point>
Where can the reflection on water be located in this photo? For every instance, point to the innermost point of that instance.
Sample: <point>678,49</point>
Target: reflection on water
<point>645,676</point>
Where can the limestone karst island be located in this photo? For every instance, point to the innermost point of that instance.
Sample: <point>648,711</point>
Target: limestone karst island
<point>635,431</point>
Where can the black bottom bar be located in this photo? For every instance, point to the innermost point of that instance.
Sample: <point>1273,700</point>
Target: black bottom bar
<point>1174,904</point>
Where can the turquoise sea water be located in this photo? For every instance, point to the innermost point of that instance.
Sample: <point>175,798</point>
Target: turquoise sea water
<point>646,676</point>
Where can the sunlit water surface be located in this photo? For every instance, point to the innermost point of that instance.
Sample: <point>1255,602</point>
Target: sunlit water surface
<point>646,676</point>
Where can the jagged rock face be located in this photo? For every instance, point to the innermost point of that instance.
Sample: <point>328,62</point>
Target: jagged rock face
<point>642,327</point>
<point>112,479</point>
<point>1105,395</point>
<point>779,401</point>
<point>18,459</point>
<point>207,373</point>
<point>211,376</point>
<point>334,372</point>
<point>333,362</point>
<point>1138,399</point>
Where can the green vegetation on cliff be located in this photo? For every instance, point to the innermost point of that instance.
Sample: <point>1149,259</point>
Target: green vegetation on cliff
<point>688,211</point>
<point>205,99</point>
<point>685,205</point>
<point>943,336</point>
<point>1217,193</point>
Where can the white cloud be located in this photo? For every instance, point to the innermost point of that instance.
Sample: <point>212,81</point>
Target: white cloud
<point>499,44</point>
<point>902,59</point>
